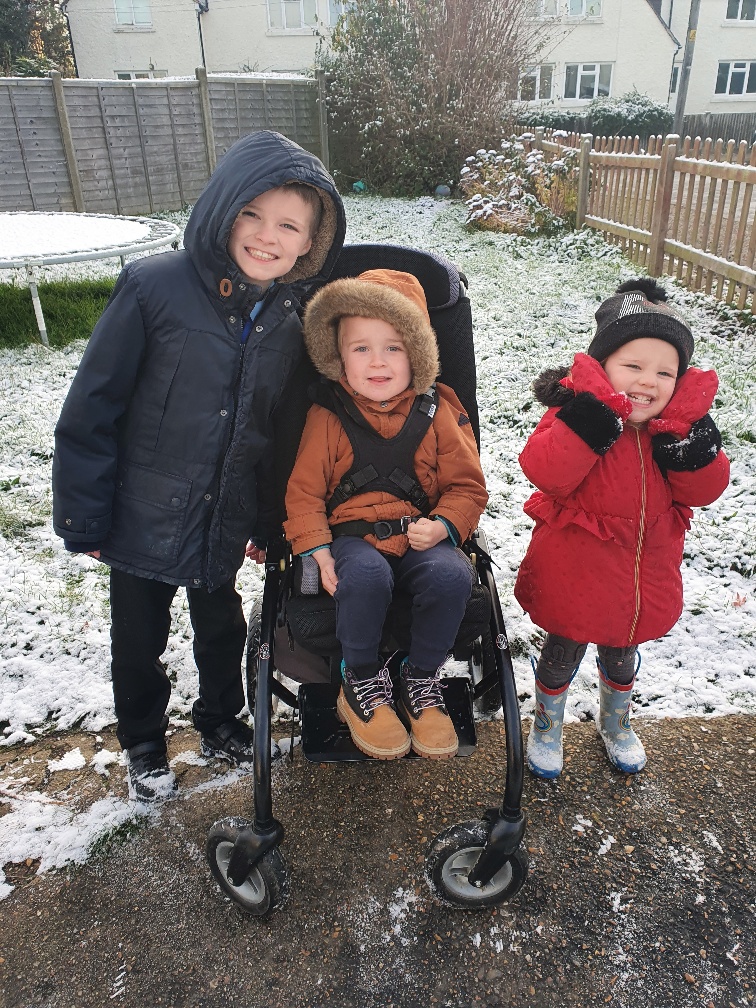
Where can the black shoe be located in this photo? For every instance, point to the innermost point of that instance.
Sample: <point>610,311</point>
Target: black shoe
<point>150,777</point>
<point>231,741</point>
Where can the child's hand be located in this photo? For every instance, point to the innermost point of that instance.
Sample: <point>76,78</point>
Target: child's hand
<point>694,393</point>
<point>253,552</point>
<point>425,533</point>
<point>327,570</point>
<point>588,376</point>
<point>94,553</point>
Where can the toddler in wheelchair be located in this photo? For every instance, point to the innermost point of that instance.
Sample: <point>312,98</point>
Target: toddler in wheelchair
<point>387,484</point>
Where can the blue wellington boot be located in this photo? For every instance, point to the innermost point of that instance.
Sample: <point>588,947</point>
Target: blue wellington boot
<point>623,747</point>
<point>545,758</point>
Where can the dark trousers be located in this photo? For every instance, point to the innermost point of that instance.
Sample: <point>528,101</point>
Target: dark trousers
<point>560,658</point>
<point>140,624</point>
<point>438,579</point>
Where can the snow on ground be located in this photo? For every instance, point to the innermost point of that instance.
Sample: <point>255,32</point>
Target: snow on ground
<point>533,305</point>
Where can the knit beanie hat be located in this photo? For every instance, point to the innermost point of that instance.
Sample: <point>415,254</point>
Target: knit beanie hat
<point>394,297</point>
<point>635,311</point>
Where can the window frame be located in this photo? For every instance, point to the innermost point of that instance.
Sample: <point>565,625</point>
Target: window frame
<point>748,67</point>
<point>580,74</point>
<point>583,14</point>
<point>120,14</point>
<point>741,6</point>
<point>304,27</point>
<point>536,73</point>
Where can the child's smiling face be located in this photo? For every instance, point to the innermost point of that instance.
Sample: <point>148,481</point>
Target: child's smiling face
<point>374,356</point>
<point>270,234</point>
<point>645,370</point>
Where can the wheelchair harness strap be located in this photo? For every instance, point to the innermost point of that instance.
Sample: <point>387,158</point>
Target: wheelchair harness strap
<point>385,464</point>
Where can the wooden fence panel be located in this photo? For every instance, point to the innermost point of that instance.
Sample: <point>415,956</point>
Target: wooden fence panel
<point>138,146</point>
<point>33,159</point>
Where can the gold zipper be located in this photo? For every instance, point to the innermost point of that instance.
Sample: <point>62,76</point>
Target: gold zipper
<point>639,547</point>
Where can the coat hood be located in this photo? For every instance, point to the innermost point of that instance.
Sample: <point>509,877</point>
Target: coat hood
<point>389,295</point>
<point>256,163</point>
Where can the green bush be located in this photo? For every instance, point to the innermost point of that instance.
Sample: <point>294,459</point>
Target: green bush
<point>71,310</point>
<point>632,114</point>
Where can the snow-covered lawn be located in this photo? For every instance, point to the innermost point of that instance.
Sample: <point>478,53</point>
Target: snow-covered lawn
<point>533,305</point>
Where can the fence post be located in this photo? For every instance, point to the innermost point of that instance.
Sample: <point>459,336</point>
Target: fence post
<point>207,116</point>
<point>325,154</point>
<point>68,145</point>
<point>662,205</point>
<point>584,178</point>
<point>538,142</point>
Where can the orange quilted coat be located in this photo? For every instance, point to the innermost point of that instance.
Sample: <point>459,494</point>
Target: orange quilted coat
<point>446,464</point>
<point>603,565</point>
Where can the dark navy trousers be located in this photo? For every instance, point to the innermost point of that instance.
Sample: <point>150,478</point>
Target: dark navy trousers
<point>438,579</point>
<point>140,611</point>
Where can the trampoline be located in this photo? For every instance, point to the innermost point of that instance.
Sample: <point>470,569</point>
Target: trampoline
<point>31,239</point>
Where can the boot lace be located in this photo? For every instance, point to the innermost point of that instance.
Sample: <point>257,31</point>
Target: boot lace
<point>425,692</point>
<point>373,692</point>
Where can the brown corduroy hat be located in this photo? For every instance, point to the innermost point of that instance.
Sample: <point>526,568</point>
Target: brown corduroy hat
<point>637,309</point>
<point>394,297</point>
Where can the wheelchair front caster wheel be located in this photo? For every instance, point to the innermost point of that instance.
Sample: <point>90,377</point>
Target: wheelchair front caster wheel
<point>452,857</point>
<point>267,884</point>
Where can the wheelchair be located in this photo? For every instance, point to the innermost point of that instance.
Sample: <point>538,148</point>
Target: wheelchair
<point>472,864</point>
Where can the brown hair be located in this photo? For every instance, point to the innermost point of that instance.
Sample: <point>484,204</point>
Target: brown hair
<point>309,195</point>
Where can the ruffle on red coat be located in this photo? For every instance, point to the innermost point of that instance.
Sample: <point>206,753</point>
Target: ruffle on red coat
<point>660,530</point>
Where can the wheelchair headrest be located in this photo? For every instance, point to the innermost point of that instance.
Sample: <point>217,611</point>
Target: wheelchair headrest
<point>439,276</point>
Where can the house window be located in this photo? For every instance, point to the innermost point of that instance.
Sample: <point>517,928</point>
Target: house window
<point>584,8</point>
<point>545,8</point>
<point>133,12</point>
<point>140,74</point>
<point>675,80</point>
<point>537,83</point>
<point>290,14</point>
<point>736,78</point>
<point>741,10</point>
<point>587,80</point>
<point>338,7</point>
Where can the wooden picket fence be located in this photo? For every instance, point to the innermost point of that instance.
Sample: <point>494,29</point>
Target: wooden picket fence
<point>683,208</point>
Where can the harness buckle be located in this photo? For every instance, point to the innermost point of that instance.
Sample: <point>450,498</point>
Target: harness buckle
<point>405,521</point>
<point>382,530</point>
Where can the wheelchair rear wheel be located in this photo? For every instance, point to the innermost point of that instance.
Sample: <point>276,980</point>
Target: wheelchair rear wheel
<point>453,855</point>
<point>265,888</point>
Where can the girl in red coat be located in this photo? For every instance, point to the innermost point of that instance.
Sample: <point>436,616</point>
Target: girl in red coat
<point>625,450</point>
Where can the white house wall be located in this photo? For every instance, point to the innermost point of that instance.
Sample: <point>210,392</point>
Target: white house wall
<point>235,37</point>
<point>628,35</point>
<point>716,40</point>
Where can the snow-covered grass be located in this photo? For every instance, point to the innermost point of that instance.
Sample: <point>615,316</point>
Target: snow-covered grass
<point>533,304</point>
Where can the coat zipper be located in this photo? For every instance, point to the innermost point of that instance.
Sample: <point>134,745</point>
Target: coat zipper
<point>639,547</point>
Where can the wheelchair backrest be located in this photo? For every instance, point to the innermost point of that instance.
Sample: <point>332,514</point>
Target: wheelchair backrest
<point>451,318</point>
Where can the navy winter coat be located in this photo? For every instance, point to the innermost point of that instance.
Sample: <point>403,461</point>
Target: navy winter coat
<point>167,425</point>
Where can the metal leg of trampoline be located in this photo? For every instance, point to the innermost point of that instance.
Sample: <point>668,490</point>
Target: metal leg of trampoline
<point>31,276</point>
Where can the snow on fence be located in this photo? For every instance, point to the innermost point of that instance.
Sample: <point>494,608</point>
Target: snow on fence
<point>138,147</point>
<point>684,209</point>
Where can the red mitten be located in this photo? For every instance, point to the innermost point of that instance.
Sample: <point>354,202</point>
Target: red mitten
<point>694,393</point>
<point>587,375</point>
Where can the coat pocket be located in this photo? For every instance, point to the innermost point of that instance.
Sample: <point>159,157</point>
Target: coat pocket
<point>149,512</point>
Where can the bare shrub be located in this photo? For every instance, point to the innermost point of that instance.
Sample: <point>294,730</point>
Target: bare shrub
<point>413,84</point>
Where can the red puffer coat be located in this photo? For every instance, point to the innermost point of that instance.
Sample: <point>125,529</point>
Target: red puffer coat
<point>603,565</point>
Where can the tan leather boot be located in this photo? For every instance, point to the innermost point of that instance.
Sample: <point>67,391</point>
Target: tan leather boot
<point>365,704</point>
<point>432,731</point>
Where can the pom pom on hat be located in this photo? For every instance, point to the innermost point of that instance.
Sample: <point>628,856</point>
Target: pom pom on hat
<point>638,309</point>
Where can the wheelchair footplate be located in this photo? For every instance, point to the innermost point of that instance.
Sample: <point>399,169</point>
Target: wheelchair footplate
<point>326,739</point>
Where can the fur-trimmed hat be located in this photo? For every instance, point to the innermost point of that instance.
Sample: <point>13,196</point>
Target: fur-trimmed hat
<point>635,311</point>
<point>394,297</point>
